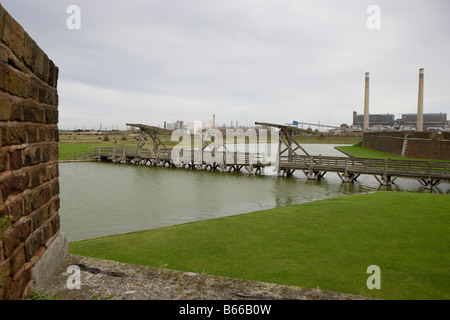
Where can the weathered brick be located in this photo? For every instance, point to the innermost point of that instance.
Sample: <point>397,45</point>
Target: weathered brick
<point>49,152</point>
<point>55,223</point>
<point>3,161</point>
<point>55,77</point>
<point>7,29</point>
<point>16,111</point>
<point>38,176</point>
<point>5,109</point>
<point>5,277</point>
<point>47,232</point>
<point>32,112</point>
<point>28,44</point>
<point>34,200</point>
<point>39,62</point>
<point>32,134</point>
<point>51,115</point>
<point>47,193</point>
<point>17,259</point>
<point>52,171</point>
<point>54,152</point>
<point>2,258</point>
<point>45,153</point>
<point>15,209</point>
<point>2,19</point>
<point>54,188</point>
<point>25,282</point>
<point>3,213</point>
<point>20,282</point>
<point>15,82</point>
<point>45,68</point>
<point>54,207</point>
<point>48,133</point>
<point>51,73</point>
<point>32,155</point>
<point>2,55</point>
<point>15,159</point>
<point>13,135</point>
<point>33,88</point>
<point>16,235</point>
<point>46,95</point>
<point>33,244</point>
<point>40,217</point>
<point>16,40</point>
<point>14,184</point>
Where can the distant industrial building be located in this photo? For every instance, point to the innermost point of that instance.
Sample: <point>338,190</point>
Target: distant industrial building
<point>408,121</point>
<point>175,125</point>
<point>430,120</point>
<point>374,119</point>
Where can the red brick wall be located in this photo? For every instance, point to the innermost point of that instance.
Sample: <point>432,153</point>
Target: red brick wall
<point>386,143</point>
<point>425,145</point>
<point>29,187</point>
<point>428,149</point>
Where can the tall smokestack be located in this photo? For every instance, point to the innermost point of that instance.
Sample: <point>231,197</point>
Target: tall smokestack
<point>419,126</point>
<point>214,120</point>
<point>366,104</point>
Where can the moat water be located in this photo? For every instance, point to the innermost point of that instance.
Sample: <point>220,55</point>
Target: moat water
<point>100,199</point>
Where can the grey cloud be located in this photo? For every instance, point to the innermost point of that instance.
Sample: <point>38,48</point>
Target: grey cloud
<point>274,60</point>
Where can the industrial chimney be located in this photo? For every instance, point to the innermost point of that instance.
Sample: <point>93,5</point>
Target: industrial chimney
<point>419,126</point>
<point>366,104</point>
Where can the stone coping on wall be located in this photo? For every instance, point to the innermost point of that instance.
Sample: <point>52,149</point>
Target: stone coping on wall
<point>123,281</point>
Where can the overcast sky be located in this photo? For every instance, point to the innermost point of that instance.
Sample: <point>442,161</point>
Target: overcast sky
<point>277,61</point>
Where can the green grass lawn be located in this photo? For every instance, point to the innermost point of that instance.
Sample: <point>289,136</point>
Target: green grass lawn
<point>73,150</point>
<point>326,244</point>
<point>71,147</point>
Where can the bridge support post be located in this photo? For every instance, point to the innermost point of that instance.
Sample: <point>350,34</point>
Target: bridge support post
<point>158,146</point>
<point>429,183</point>
<point>385,180</point>
<point>348,177</point>
<point>313,174</point>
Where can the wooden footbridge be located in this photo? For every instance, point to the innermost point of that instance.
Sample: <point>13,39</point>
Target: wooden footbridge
<point>286,156</point>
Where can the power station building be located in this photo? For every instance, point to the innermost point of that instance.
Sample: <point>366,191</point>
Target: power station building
<point>408,120</point>
<point>430,120</point>
<point>374,119</point>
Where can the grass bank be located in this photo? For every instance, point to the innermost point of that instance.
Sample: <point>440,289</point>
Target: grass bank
<point>71,147</point>
<point>326,244</point>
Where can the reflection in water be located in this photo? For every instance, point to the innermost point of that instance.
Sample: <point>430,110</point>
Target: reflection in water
<point>99,199</point>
